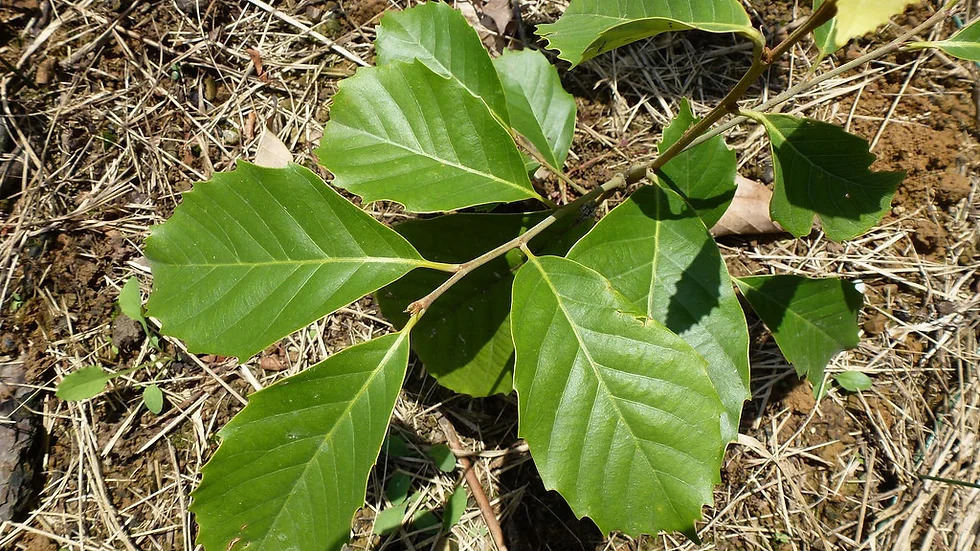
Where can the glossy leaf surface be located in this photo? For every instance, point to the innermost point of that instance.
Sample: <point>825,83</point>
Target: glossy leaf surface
<point>658,255</point>
<point>822,170</point>
<point>965,44</point>
<point>257,253</point>
<point>619,413</point>
<point>540,109</point>
<point>292,467</point>
<point>592,27</point>
<point>401,132</point>
<point>441,38</point>
<point>704,175</point>
<point>811,319</point>
<point>464,337</point>
<point>855,18</point>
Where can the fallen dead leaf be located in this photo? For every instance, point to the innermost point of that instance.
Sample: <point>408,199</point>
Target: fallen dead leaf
<point>257,61</point>
<point>272,153</point>
<point>749,212</point>
<point>501,12</point>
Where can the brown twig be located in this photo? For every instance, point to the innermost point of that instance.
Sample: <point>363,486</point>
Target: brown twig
<point>489,516</point>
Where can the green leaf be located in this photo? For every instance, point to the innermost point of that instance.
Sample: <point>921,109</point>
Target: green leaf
<point>153,399</point>
<point>390,519</point>
<point>398,486</point>
<point>619,412</point>
<point>293,465</point>
<point>455,508</point>
<point>854,18</point>
<point>464,338</point>
<point>592,27</point>
<point>443,458</point>
<point>424,519</point>
<point>130,303</point>
<point>441,38</point>
<point>540,109</point>
<point>260,252</point>
<point>965,44</point>
<point>821,169</point>
<point>704,175</point>
<point>853,381</point>
<point>658,255</point>
<point>401,132</point>
<point>86,383</point>
<point>811,319</point>
<point>395,446</point>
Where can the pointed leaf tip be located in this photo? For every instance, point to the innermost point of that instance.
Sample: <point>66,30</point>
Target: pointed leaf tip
<point>822,170</point>
<point>811,319</point>
<point>292,466</point>
<point>592,27</point>
<point>401,132</point>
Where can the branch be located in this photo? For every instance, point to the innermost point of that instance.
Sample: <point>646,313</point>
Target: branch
<point>761,61</point>
<point>475,487</point>
<point>623,179</point>
<point>792,92</point>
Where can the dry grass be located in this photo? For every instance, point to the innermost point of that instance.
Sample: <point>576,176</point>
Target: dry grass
<point>142,101</point>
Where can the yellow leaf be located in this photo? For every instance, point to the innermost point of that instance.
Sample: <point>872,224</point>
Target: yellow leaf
<point>859,17</point>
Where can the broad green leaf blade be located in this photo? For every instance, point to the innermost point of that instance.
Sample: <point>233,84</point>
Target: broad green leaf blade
<point>822,170</point>
<point>130,302</point>
<point>619,413</point>
<point>401,132</point>
<point>659,256</point>
<point>540,109</point>
<point>391,519</point>
<point>592,27</point>
<point>443,457</point>
<point>398,487</point>
<point>853,381</point>
<point>965,44</point>
<point>85,383</point>
<point>424,520</point>
<point>153,399</point>
<point>811,319</point>
<point>455,508</point>
<point>441,38</point>
<point>260,252</point>
<point>292,466</point>
<point>704,175</point>
<point>464,337</point>
<point>854,18</point>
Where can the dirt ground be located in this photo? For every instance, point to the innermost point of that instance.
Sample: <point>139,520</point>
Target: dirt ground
<point>112,108</point>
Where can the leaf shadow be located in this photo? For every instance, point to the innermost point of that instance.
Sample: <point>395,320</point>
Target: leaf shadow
<point>531,516</point>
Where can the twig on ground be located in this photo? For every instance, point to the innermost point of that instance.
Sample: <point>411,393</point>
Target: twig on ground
<point>489,516</point>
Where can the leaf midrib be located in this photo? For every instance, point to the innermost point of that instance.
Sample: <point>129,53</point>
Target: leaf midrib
<point>787,309</point>
<point>808,161</point>
<point>609,395</point>
<point>329,435</point>
<point>528,192</point>
<point>309,262</point>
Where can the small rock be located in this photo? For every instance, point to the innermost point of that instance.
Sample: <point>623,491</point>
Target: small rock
<point>125,332</point>
<point>230,136</point>
<point>45,71</point>
<point>875,325</point>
